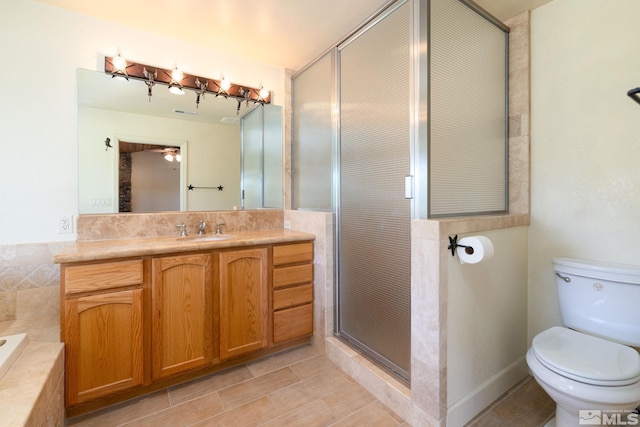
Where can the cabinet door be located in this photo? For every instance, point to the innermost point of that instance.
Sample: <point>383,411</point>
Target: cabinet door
<point>104,344</point>
<point>182,307</point>
<point>244,302</point>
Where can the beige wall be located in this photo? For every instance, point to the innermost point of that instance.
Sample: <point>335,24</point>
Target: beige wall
<point>213,156</point>
<point>486,324</point>
<point>585,149</point>
<point>43,47</point>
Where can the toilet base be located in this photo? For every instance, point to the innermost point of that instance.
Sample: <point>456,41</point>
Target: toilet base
<point>565,418</point>
<point>550,423</point>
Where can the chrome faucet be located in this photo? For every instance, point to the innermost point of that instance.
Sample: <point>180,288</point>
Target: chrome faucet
<point>201,228</point>
<point>183,229</point>
<point>219,227</point>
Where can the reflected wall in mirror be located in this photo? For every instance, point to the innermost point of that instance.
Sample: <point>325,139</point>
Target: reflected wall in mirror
<point>148,177</point>
<point>209,138</point>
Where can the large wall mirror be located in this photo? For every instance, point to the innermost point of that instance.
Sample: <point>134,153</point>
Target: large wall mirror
<point>165,152</point>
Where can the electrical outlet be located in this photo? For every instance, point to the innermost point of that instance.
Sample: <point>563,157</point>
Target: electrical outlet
<point>65,224</point>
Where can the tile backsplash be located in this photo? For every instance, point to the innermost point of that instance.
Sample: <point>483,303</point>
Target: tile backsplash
<point>116,226</point>
<point>23,268</point>
<point>29,279</point>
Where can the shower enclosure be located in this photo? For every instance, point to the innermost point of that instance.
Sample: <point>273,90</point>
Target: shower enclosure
<point>404,119</point>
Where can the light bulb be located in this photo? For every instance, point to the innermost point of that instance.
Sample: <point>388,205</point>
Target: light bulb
<point>168,157</point>
<point>225,84</point>
<point>264,93</point>
<point>119,64</point>
<point>175,87</point>
<point>178,157</point>
<point>177,75</point>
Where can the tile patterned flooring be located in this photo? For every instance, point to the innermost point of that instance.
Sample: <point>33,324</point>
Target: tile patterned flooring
<point>300,387</point>
<point>525,405</point>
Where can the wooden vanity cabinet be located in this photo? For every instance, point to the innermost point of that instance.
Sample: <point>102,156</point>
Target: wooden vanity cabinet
<point>133,325</point>
<point>244,301</point>
<point>292,291</point>
<point>102,328</point>
<point>182,313</point>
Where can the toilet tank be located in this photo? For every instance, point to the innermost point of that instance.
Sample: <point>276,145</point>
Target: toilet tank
<point>600,298</point>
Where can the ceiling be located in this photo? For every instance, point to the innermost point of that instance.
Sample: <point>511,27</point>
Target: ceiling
<point>285,33</point>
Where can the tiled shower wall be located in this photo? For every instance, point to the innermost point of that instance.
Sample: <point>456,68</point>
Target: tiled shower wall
<point>519,106</point>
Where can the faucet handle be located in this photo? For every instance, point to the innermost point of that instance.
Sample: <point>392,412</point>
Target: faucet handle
<point>183,229</point>
<point>201,228</point>
<point>218,227</point>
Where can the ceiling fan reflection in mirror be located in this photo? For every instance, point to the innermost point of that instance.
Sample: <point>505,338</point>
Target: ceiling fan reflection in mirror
<point>170,153</point>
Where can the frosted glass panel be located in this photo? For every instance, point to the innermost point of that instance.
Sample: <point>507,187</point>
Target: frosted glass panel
<point>252,160</point>
<point>272,180</point>
<point>374,216</point>
<point>312,136</point>
<point>467,142</point>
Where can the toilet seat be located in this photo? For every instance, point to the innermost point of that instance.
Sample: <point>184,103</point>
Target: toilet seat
<point>586,358</point>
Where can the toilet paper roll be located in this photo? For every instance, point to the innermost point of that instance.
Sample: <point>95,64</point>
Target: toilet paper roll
<point>478,249</point>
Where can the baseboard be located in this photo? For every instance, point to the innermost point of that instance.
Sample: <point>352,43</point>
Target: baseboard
<point>475,402</point>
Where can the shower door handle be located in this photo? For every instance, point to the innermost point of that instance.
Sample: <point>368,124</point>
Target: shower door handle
<point>408,187</point>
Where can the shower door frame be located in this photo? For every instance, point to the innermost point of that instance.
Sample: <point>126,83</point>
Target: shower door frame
<point>416,177</point>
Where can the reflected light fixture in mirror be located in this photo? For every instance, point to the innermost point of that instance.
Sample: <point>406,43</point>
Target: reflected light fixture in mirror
<point>172,155</point>
<point>178,81</point>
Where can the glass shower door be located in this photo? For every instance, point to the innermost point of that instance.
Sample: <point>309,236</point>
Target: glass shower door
<point>374,217</point>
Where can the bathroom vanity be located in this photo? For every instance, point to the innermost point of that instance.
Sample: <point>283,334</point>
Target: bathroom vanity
<point>142,314</point>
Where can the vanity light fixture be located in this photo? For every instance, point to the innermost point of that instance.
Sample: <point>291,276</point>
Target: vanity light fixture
<point>175,84</point>
<point>202,89</point>
<point>119,67</point>
<point>244,96</point>
<point>223,87</point>
<point>179,81</point>
<point>149,79</point>
<point>263,94</point>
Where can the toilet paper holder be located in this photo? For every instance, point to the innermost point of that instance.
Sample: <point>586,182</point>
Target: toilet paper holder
<point>453,245</point>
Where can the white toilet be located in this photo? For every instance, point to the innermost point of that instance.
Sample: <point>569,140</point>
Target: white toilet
<point>591,370</point>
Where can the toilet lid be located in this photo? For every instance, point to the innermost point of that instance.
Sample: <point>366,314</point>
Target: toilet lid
<point>586,358</point>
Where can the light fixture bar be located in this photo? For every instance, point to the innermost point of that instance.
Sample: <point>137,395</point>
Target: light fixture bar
<point>163,76</point>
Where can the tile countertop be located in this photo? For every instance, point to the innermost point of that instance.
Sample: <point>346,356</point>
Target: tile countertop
<point>140,246</point>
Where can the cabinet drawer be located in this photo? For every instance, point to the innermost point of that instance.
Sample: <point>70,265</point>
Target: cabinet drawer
<point>289,297</point>
<point>291,254</point>
<point>292,323</point>
<point>86,278</point>
<point>294,275</point>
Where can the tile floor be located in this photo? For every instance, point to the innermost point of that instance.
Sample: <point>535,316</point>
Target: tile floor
<point>525,405</point>
<point>300,387</point>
